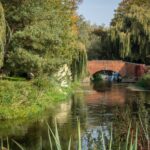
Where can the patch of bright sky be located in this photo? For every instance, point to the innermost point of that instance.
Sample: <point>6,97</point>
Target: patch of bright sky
<point>98,11</point>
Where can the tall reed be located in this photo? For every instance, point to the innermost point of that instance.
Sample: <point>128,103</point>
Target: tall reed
<point>131,142</point>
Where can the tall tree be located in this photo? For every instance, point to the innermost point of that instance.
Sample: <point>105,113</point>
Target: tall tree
<point>130,30</point>
<point>43,35</point>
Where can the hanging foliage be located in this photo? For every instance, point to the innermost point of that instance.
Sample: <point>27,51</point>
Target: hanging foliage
<point>131,27</point>
<point>79,63</point>
<point>2,34</point>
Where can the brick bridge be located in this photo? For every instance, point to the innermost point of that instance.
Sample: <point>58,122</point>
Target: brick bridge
<point>124,68</point>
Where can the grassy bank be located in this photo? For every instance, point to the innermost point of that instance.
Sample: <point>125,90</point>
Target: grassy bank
<point>25,99</point>
<point>144,82</point>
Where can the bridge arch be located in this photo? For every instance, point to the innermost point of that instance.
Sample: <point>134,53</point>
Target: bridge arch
<point>123,68</point>
<point>107,72</point>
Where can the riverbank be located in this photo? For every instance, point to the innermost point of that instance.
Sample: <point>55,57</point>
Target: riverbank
<point>113,107</point>
<point>135,87</point>
<point>26,99</point>
<point>144,82</point>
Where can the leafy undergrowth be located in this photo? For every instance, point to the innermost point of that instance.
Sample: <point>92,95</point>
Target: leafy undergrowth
<point>145,82</point>
<point>24,99</point>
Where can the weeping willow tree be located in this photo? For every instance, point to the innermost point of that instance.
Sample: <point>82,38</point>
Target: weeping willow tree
<point>79,63</point>
<point>2,34</point>
<point>101,44</point>
<point>130,30</point>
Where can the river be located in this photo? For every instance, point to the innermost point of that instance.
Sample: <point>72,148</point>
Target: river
<point>100,108</point>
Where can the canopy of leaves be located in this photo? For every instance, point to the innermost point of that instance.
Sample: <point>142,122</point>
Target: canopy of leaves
<point>44,35</point>
<point>101,46</point>
<point>130,29</point>
<point>84,31</point>
<point>128,37</point>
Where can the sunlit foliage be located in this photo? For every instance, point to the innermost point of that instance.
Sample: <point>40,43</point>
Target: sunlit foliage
<point>2,34</point>
<point>130,29</point>
<point>128,37</point>
<point>44,35</point>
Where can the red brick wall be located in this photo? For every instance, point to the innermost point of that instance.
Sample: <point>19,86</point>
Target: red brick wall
<point>124,68</point>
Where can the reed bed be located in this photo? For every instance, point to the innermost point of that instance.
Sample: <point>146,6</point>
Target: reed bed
<point>132,141</point>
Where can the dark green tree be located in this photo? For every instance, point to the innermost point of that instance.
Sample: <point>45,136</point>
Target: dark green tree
<point>43,36</point>
<point>101,46</point>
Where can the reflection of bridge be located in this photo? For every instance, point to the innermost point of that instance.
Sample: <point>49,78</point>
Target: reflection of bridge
<point>124,68</point>
<point>116,96</point>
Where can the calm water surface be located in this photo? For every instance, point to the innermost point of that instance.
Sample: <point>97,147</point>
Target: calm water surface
<point>99,107</point>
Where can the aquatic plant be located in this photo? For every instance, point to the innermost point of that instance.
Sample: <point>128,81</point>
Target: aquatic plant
<point>132,141</point>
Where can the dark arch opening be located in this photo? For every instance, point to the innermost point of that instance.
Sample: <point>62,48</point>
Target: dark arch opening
<point>108,75</point>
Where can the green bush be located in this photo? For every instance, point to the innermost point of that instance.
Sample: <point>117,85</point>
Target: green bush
<point>44,82</point>
<point>145,81</point>
<point>21,61</point>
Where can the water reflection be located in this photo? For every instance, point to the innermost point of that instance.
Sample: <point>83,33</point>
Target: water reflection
<point>108,104</point>
<point>93,138</point>
<point>107,93</point>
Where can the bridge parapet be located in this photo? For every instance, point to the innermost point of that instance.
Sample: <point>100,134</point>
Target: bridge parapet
<point>124,68</point>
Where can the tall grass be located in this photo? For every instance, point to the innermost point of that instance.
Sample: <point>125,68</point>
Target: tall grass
<point>56,139</point>
<point>131,142</point>
<point>27,99</point>
<point>145,127</point>
<point>55,136</point>
<point>7,144</point>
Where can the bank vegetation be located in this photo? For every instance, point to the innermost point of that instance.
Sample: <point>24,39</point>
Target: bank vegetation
<point>37,39</point>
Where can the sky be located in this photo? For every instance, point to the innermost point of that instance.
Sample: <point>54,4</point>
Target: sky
<point>98,11</point>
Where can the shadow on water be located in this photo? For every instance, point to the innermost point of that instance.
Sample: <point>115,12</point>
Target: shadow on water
<point>99,107</point>
<point>102,86</point>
